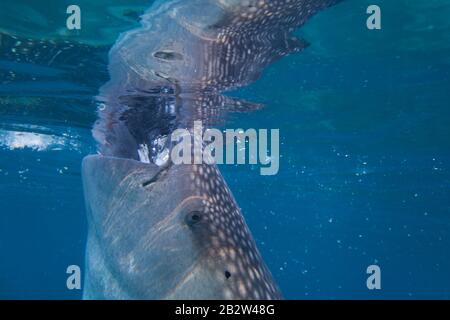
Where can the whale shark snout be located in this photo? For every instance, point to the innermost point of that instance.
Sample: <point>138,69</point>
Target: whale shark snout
<point>167,233</point>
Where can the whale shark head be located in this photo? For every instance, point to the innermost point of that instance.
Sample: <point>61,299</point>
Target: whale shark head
<point>176,232</point>
<point>167,233</point>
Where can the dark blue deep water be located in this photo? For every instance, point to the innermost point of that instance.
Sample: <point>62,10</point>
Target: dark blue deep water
<point>364,119</point>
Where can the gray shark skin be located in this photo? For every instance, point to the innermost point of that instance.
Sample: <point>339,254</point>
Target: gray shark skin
<point>176,231</point>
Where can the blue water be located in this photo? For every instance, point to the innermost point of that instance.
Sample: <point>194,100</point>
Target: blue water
<point>364,118</point>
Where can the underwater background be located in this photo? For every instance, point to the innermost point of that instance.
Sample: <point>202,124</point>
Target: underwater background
<point>364,175</point>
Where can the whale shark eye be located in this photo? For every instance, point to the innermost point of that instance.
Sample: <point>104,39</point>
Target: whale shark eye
<point>227,274</point>
<point>193,217</point>
<point>168,55</point>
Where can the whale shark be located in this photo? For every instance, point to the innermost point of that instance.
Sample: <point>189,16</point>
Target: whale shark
<point>175,231</point>
<point>171,233</point>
